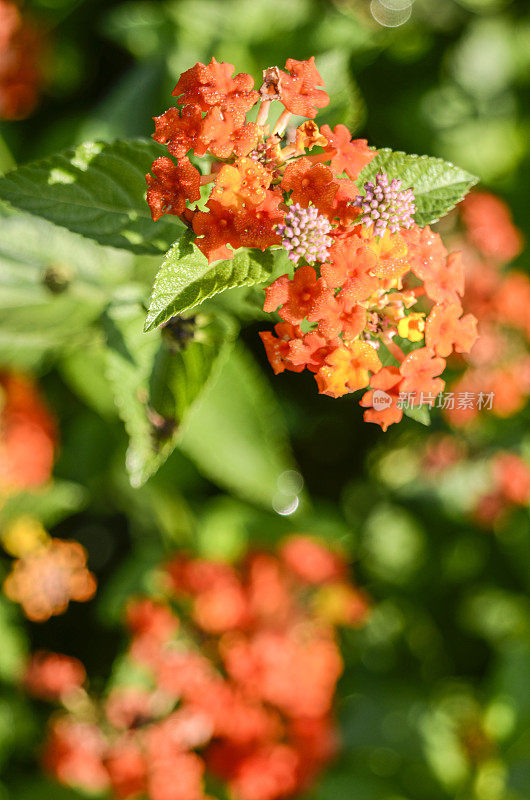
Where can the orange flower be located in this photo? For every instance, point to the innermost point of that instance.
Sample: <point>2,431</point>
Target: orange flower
<point>341,315</point>
<point>309,183</point>
<point>309,136</point>
<point>304,292</point>
<point>342,208</point>
<point>347,155</point>
<point>172,186</point>
<point>446,330</point>
<point>27,435</point>
<point>512,475</point>
<point>245,139</point>
<point>391,252</point>
<point>310,350</point>
<point>351,265</point>
<point>45,580</point>
<point>244,182</point>
<point>381,401</point>
<point>347,368</point>
<point>419,369</point>
<point>490,226</point>
<point>278,347</point>
<point>511,300</point>
<point>445,284</point>
<point>426,252</point>
<point>213,85</point>
<point>299,92</point>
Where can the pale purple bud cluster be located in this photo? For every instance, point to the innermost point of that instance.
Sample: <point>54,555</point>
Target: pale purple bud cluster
<point>305,234</point>
<point>386,205</point>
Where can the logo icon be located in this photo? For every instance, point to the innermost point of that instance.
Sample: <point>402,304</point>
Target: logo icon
<point>381,400</point>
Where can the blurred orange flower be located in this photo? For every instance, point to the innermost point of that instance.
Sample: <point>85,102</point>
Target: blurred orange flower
<point>45,580</point>
<point>27,434</point>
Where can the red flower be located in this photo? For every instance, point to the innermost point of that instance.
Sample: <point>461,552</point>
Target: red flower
<point>21,72</point>
<point>180,130</point>
<point>216,229</point>
<point>310,561</point>
<point>172,186</point>
<point>51,676</point>
<point>256,226</point>
<point>154,620</point>
<point>74,754</point>
<point>213,85</point>
<point>299,92</point>
<point>347,155</point>
<point>127,768</point>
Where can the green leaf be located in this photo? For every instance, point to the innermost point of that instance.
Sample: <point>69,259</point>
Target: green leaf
<point>438,185</point>
<point>419,414</point>
<point>85,374</point>
<point>53,285</point>
<point>13,652</point>
<point>178,375</point>
<point>50,504</point>
<point>43,789</point>
<point>155,385</point>
<point>185,279</point>
<point>97,190</point>
<point>346,106</point>
<point>236,434</point>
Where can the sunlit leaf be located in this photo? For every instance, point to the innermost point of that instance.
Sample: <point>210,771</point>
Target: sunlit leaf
<point>438,185</point>
<point>185,279</point>
<point>97,190</point>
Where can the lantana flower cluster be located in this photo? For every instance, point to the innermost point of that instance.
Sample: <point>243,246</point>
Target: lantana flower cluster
<point>365,275</point>
<point>499,363</point>
<point>20,69</point>
<point>236,668</point>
